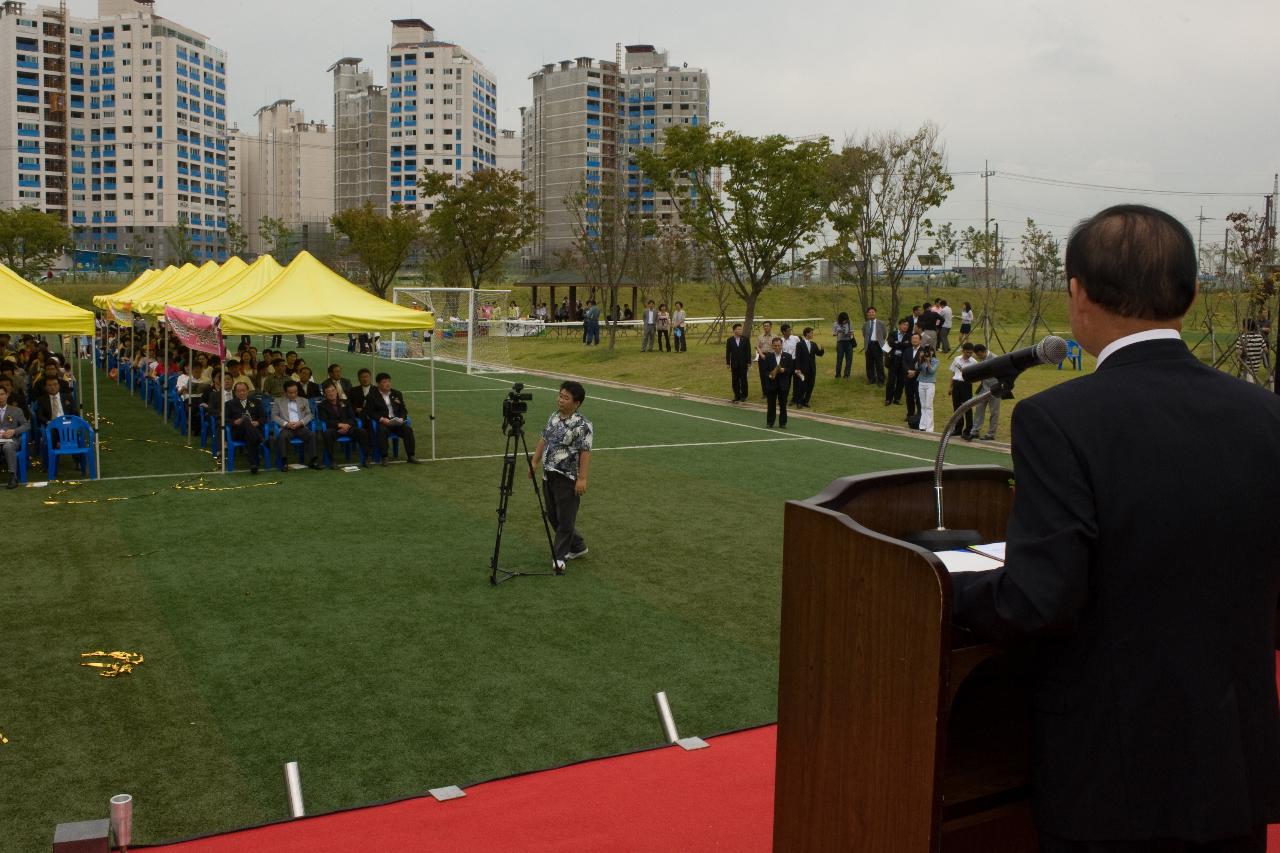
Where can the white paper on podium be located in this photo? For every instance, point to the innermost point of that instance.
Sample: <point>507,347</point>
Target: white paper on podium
<point>966,561</point>
<point>994,550</point>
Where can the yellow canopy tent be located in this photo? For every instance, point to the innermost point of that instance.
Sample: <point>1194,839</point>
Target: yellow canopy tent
<point>25,307</point>
<point>309,297</point>
<point>140,286</point>
<point>205,277</point>
<point>215,295</point>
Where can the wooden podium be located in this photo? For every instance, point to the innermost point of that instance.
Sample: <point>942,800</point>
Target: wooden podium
<point>896,732</point>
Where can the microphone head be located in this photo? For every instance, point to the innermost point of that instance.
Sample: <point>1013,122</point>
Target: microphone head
<point>1051,350</point>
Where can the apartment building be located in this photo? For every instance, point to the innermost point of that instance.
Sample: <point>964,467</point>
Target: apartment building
<point>118,125</point>
<point>508,150</point>
<point>443,111</point>
<point>285,172</point>
<point>587,118</point>
<point>360,136</point>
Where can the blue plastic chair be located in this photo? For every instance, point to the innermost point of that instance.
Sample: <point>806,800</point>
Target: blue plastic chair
<point>75,439</point>
<point>1075,355</point>
<point>395,439</point>
<point>345,440</point>
<point>23,458</point>
<point>233,446</point>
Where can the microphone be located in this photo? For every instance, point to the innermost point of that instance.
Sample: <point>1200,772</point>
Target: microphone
<point>1050,350</point>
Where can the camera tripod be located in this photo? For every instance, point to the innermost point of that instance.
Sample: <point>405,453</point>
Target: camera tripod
<point>514,431</point>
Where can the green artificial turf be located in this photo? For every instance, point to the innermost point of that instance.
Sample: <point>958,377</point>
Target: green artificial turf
<point>346,621</point>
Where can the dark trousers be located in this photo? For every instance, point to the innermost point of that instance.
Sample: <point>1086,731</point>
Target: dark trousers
<point>562,512</point>
<point>778,404</point>
<point>809,382</point>
<point>844,356</point>
<point>1255,842</point>
<point>249,434</point>
<point>960,392</point>
<point>895,382</point>
<point>913,397</point>
<point>681,344</point>
<point>359,435</point>
<point>739,382</point>
<point>276,340</point>
<point>286,435</point>
<point>302,341</point>
<point>593,332</point>
<point>875,363</point>
<point>797,390</point>
<point>664,340</point>
<point>385,431</point>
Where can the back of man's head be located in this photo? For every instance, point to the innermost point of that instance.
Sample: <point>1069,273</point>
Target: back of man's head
<point>1134,261</point>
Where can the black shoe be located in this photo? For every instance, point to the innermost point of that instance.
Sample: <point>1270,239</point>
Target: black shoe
<point>413,460</point>
<point>13,482</point>
<point>314,465</point>
<point>782,426</point>
<point>888,402</point>
<point>253,469</point>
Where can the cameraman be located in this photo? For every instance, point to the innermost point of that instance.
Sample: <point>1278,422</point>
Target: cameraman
<point>564,452</point>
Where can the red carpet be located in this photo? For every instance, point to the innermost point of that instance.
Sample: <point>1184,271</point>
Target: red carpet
<point>719,798</point>
<point>666,799</point>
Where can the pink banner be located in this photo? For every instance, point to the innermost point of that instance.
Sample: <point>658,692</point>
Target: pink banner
<point>197,331</point>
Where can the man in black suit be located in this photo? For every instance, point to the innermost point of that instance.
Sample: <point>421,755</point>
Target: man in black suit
<point>896,364</point>
<point>807,352</point>
<point>737,355</point>
<point>1133,555</point>
<point>335,378</point>
<point>777,371</point>
<point>340,422</point>
<point>911,383</point>
<point>307,387</point>
<point>360,393</point>
<point>385,407</point>
<point>244,416</point>
<point>54,402</point>
<point>873,334</point>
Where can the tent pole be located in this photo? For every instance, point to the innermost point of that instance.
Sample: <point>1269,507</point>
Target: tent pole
<point>97,449</point>
<point>222,413</point>
<point>432,334</point>
<point>164,388</point>
<point>327,338</point>
<point>133,351</point>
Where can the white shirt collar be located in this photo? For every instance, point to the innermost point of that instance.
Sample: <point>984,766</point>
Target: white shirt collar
<point>1137,338</point>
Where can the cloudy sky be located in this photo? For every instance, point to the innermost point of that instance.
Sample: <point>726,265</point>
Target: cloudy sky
<point>1171,95</point>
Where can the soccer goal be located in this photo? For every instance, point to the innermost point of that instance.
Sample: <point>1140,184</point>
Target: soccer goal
<point>472,327</point>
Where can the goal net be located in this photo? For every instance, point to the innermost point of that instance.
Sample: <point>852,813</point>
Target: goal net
<point>472,327</point>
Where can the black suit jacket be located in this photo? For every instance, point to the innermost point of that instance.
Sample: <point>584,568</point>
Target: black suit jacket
<point>307,390</point>
<point>1133,552</point>
<point>807,353</point>
<point>375,408</point>
<point>336,413</point>
<point>738,352</point>
<point>237,410</point>
<point>45,406</point>
<point>357,395</point>
<point>782,382</point>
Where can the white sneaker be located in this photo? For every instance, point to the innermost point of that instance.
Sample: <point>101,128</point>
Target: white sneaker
<point>573,555</point>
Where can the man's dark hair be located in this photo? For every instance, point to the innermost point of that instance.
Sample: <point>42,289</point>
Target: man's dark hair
<point>293,353</point>
<point>969,347</point>
<point>870,308</point>
<point>290,384</point>
<point>979,347</point>
<point>382,376</point>
<point>1134,261</point>
<point>329,369</point>
<point>737,325</point>
<point>786,327</point>
<point>906,320</point>
<point>362,371</point>
<point>575,389</point>
<point>807,330</point>
<point>776,340</point>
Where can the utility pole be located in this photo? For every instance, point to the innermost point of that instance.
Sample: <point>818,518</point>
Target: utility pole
<point>1202,219</point>
<point>986,197</point>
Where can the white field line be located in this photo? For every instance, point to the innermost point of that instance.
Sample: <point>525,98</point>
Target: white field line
<point>928,459</point>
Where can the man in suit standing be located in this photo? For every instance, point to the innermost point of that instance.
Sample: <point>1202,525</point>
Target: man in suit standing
<point>245,419</point>
<point>778,369</point>
<point>873,334</point>
<point>359,393</point>
<point>650,319</point>
<point>385,407</point>
<point>340,422</point>
<point>1133,556</point>
<point>737,355</point>
<point>810,350</point>
<point>896,367</point>
<point>912,385</point>
<point>13,423</point>
<point>292,417</point>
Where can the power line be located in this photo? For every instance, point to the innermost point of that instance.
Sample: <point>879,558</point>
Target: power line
<point>1059,182</point>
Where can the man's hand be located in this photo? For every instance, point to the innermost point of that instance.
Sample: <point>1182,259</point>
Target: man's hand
<point>343,428</point>
<point>580,487</point>
<point>384,421</point>
<point>530,472</point>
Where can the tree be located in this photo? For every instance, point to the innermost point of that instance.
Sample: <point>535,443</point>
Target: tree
<point>672,258</point>
<point>380,243</point>
<point>607,235</point>
<point>851,173</point>
<point>237,238</point>
<point>984,250</point>
<point>276,235</point>
<point>485,218</point>
<point>773,199</point>
<point>177,239</point>
<point>30,241</point>
<point>946,245</point>
<point>1042,260</point>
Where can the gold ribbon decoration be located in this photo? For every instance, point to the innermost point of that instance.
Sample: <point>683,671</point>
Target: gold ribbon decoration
<point>119,663</point>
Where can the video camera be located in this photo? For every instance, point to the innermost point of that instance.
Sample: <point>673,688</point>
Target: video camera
<point>514,407</point>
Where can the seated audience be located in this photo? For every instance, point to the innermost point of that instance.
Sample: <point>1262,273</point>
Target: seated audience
<point>339,421</point>
<point>292,415</point>
<point>385,407</point>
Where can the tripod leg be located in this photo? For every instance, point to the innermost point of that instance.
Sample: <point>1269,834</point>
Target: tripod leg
<point>505,489</point>
<point>546,525</point>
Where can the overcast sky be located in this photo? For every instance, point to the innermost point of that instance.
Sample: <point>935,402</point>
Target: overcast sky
<point>1168,95</point>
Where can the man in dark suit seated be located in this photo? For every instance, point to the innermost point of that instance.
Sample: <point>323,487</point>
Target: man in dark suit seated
<point>307,388</point>
<point>385,407</point>
<point>361,392</point>
<point>244,416</point>
<point>340,422</point>
<point>54,402</point>
<point>335,378</point>
<point>1138,555</point>
<point>292,417</point>
<point>777,370</point>
<point>13,423</point>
